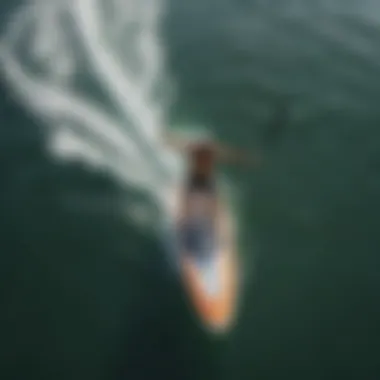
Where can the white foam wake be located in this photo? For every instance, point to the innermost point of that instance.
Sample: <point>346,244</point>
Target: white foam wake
<point>60,56</point>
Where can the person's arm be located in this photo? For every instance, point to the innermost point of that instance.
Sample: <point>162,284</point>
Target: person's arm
<point>229,155</point>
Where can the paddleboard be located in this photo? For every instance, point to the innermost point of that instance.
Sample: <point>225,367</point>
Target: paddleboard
<point>210,275</point>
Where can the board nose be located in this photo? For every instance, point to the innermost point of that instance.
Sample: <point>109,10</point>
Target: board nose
<point>213,292</point>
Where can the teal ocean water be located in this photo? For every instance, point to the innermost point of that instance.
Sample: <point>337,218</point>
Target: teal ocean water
<point>86,292</point>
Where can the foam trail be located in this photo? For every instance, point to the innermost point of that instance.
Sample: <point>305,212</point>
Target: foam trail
<point>42,59</point>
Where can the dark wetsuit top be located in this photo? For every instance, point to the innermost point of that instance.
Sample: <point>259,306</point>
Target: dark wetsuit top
<point>199,183</point>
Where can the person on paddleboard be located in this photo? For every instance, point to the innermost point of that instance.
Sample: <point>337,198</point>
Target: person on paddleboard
<point>200,199</point>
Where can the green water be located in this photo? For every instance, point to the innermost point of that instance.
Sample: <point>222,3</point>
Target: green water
<point>86,295</point>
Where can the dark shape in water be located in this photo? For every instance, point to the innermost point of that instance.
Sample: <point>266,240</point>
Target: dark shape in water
<point>275,131</point>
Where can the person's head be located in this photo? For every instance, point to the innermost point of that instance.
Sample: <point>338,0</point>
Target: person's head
<point>203,156</point>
